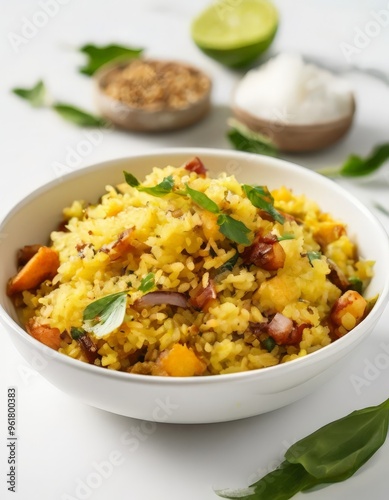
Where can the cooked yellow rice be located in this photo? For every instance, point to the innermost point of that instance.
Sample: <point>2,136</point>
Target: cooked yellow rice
<point>182,246</point>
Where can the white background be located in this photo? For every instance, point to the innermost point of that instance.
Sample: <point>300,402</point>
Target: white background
<point>61,441</point>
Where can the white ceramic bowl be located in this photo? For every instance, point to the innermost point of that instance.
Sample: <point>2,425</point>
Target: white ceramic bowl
<point>195,399</point>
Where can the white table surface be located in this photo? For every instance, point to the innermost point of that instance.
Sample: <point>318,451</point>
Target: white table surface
<point>61,441</point>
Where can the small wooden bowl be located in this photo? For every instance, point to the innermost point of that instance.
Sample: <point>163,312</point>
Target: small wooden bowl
<point>148,119</point>
<point>296,138</point>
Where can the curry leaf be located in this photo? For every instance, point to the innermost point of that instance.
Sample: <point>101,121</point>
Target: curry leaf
<point>261,198</point>
<point>97,56</point>
<point>229,264</point>
<point>164,187</point>
<point>233,229</point>
<point>356,166</point>
<point>78,116</point>
<point>105,314</point>
<point>202,200</point>
<point>331,454</point>
<point>147,283</point>
<point>131,179</point>
<point>36,95</point>
<point>244,139</point>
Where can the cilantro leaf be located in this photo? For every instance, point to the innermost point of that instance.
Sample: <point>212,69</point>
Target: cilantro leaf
<point>36,95</point>
<point>229,264</point>
<point>98,56</point>
<point>104,315</point>
<point>261,198</point>
<point>286,236</point>
<point>78,116</point>
<point>233,229</point>
<point>202,200</point>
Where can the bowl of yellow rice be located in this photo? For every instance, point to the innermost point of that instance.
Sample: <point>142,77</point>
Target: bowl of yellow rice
<point>191,285</point>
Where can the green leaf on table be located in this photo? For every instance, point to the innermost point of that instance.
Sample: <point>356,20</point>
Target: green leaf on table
<point>78,116</point>
<point>202,200</point>
<point>331,454</point>
<point>233,229</point>
<point>164,187</point>
<point>98,56</point>
<point>104,315</point>
<point>244,139</point>
<point>356,166</point>
<point>36,95</point>
<point>147,283</point>
<point>261,198</point>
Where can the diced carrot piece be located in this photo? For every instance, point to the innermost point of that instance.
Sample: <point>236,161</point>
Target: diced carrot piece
<point>181,361</point>
<point>42,265</point>
<point>45,334</point>
<point>329,232</point>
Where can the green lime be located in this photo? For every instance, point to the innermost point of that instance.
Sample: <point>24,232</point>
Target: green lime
<point>236,32</point>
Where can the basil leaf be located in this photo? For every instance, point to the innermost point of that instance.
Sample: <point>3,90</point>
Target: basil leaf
<point>233,229</point>
<point>105,314</point>
<point>261,198</point>
<point>78,116</point>
<point>340,448</point>
<point>164,187</point>
<point>356,166</point>
<point>97,56</point>
<point>202,200</point>
<point>36,95</point>
<point>147,283</point>
<point>130,179</point>
<point>313,256</point>
<point>244,139</point>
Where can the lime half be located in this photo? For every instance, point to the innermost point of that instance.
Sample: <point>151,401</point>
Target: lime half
<point>236,32</point>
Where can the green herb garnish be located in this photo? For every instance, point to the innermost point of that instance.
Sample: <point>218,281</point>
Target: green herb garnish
<point>97,56</point>
<point>244,139</point>
<point>229,264</point>
<point>78,116</point>
<point>164,187</point>
<point>286,236</point>
<point>202,200</point>
<point>233,229</point>
<point>131,179</point>
<point>331,454</point>
<point>356,166</point>
<point>105,314</point>
<point>76,333</point>
<point>313,256</point>
<point>261,198</point>
<point>356,284</point>
<point>36,95</point>
<point>147,283</point>
<point>269,344</point>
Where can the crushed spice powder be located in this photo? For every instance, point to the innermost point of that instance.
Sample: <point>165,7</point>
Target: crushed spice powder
<point>154,85</point>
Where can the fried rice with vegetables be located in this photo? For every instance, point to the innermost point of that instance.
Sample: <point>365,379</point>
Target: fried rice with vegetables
<point>181,274</point>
